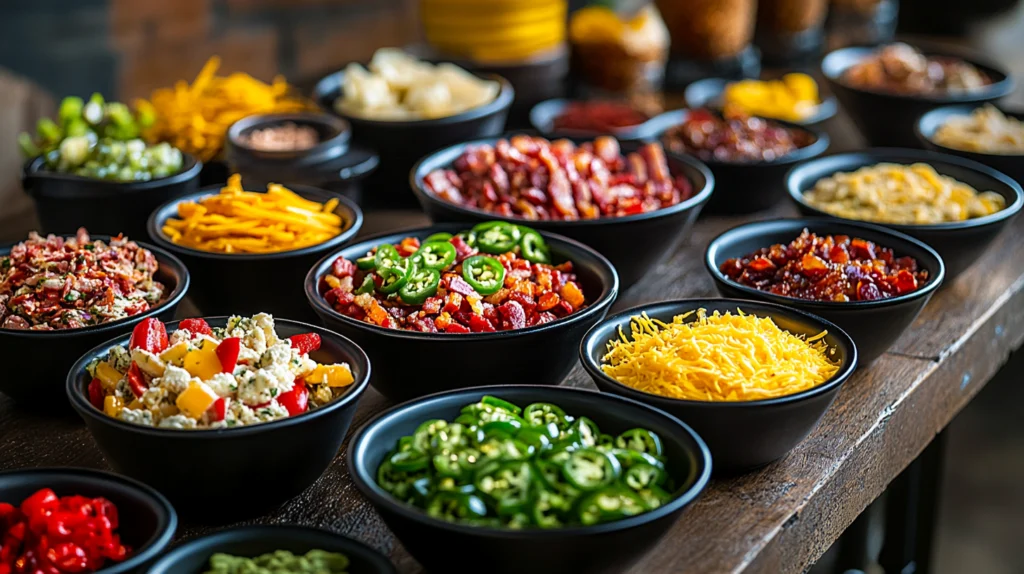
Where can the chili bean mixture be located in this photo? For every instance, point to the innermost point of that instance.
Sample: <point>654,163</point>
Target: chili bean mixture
<point>534,178</point>
<point>58,283</point>
<point>903,69</point>
<point>598,116</point>
<point>828,268</point>
<point>737,138</point>
<point>496,277</point>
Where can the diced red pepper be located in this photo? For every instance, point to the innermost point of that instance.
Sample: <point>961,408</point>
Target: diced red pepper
<point>432,306</point>
<point>478,324</point>
<point>198,326</point>
<point>136,382</point>
<point>68,557</point>
<point>227,351</point>
<point>452,303</point>
<point>149,335</point>
<point>296,400</point>
<point>219,409</point>
<point>305,343</point>
<point>454,327</point>
<point>96,393</point>
<point>342,268</point>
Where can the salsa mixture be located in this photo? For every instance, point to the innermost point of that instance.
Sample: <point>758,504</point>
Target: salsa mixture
<point>57,283</point>
<point>735,138</point>
<point>280,562</point>
<point>498,465</point>
<point>598,116</point>
<point>534,178</point>
<point>495,277</point>
<point>903,69</point>
<point>200,377</point>
<point>828,268</point>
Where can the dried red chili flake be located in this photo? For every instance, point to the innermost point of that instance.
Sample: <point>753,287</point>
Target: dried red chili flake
<point>712,137</point>
<point>537,179</point>
<point>55,535</point>
<point>598,116</point>
<point>830,268</point>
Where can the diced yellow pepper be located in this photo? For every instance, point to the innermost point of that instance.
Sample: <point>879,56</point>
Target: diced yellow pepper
<point>331,375</point>
<point>196,399</point>
<point>135,404</point>
<point>112,405</point>
<point>165,410</point>
<point>108,376</point>
<point>332,281</point>
<point>203,363</point>
<point>175,355</point>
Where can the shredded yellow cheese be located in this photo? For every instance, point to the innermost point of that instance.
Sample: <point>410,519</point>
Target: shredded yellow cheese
<point>718,357</point>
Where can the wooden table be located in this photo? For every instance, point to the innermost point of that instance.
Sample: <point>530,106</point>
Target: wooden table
<point>778,519</point>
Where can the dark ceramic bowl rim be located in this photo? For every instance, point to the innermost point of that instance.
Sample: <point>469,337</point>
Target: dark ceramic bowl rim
<point>175,296</point>
<point>316,300</point>
<point>423,194</point>
<point>960,111</point>
<point>191,166</point>
<point>842,226</point>
<point>995,90</point>
<point>85,409</point>
<point>826,108</point>
<point>814,149</point>
<point>261,532</point>
<point>679,306</point>
<point>900,156</point>
<point>339,124</point>
<point>621,132</point>
<point>506,94</point>
<point>156,231</point>
<point>371,490</point>
<point>157,542</point>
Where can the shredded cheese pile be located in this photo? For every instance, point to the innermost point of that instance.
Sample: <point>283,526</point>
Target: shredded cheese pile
<point>718,357</point>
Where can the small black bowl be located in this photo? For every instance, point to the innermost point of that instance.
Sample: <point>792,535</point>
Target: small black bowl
<point>227,283</point>
<point>707,93</point>
<point>601,549</point>
<point>873,325</point>
<point>147,520</point>
<point>51,353</point>
<point>543,115</point>
<point>959,243</point>
<point>1011,164</point>
<point>746,187</point>
<point>257,467</point>
<point>409,364</point>
<point>658,232</point>
<point>401,143</point>
<point>66,202</point>
<point>741,435</point>
<point>887,119</point>
<point>193,556</point>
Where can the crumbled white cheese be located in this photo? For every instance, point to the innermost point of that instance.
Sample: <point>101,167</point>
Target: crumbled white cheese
<point>224,384</point>
<point>178,422</point>
<point>175,379</point>
<point>136,416</point>
<point>153,396</point>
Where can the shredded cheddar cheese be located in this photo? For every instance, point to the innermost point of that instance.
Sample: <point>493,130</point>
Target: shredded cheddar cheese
<point>718,357</point>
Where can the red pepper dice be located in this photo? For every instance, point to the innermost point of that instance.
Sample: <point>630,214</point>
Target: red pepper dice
<point>305,343</point>
<point>149,335</point>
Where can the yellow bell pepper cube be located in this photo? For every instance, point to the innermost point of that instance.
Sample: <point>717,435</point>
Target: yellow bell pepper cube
<point>331,375</point>
<point>196,399</point>
<point>203,363</point>
<point>175,355</point>
<point>112,405</point>
<point>108,376</point>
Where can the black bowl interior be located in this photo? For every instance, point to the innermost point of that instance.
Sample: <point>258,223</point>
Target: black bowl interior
<point>147,520</point>
<point>193,556</point>
<point>543,115</point>
<point>707,93</point>
<point>331,131</point>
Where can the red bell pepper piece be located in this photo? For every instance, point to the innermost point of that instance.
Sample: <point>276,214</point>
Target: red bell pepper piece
<point>198,326</point>
<point>68,557</point>
<point>480,325</point>
<point>149,335</point>
<point>296,400</point>
<point>454,327</point>
<point>136,381</point>
<point>227,352</point>
<point>96,393</point>
<point>220,408</point>
<point>305,343</point>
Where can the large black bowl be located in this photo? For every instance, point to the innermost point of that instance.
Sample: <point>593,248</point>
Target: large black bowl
<point>146,520</point>
<point>887,119</point>
<point>401,143</point>
<point>193,557</point>
<point>51,353</point>
<point>409,364</point>
<point>707,93</point>
<point>66,202</point>
<point>746,434</point>
<point>227,283</point>
<point>1010,164</point>
<point>252,469</point>
<point>746,187</point>
<point>959,243</point>
<point>602,549</point>
<point>635,244</point>
<point>873,325</point>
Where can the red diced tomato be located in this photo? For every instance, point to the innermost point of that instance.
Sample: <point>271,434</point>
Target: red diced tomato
<point>149,335</point>
<point>296,401</point>
<point>96,393</point>
<point>197,326</point>
<point>305,343</point>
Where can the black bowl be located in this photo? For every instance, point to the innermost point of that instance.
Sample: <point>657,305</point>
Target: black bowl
<point>601,549</point>
<point>51,353</point>
<point>147,520</point>
<point>746,187</point>
<point>741,435</point>
<point>402,143</point>
<point>66,202</point>
<point>1010,164</point>
<point>873,325</point>
<point>238,283</point>
<point>959,243</point>
<point>659,232</point>
<point>409,364</point>
<point>257,467</point>
<point>193,557</point>
<point>543,115</point>
<point>887,119</point>
<point>707,93</point>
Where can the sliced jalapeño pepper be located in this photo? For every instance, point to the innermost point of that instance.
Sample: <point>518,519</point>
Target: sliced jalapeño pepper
<point>436,255</point>
<point>642,476</point>
<point>535,437</point>
<point>541,414</point>
<point>426,432</point>
<point>586,431</point>
<point>590,469</point>
<point>409,461</point>
<point>442,236</point>
<point>468,237</point>
<point>484,274</point>
<point>387,257</point>
<point>654,497</point>
<point>500,404</point>
<point>367,263</point>
<point>506,485</point>
<point>548,509</point>
<point>496,237</point>
<point>533,247</point>
<point>367,287</point>
<point>448,465</point>
<point>640,440</point>
<point>392,278</point>
<point>420,285</point>
<point>504,429</point>
<point>455,506</point>
<point>612,503</point>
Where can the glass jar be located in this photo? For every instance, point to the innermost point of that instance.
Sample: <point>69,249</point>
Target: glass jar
<point>861,22</point>
<point>709,38</point>
<point>791,31</point>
